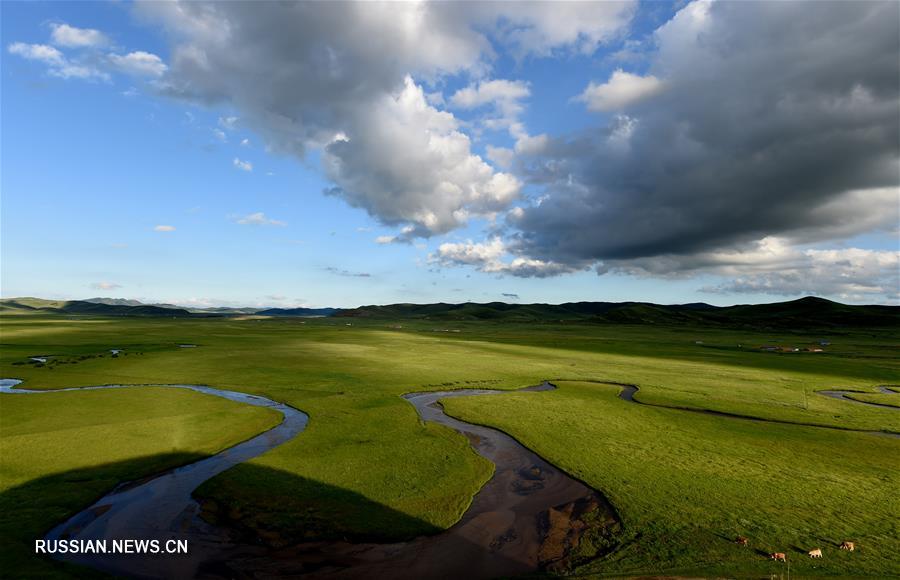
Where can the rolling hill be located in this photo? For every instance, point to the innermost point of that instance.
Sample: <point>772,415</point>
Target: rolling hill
<point>803,313</point>
<point>12,305</point>
<point>809,312</point>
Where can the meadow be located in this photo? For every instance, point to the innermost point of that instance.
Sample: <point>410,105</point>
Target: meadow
<point>59,452</point>
<point>683,482</point>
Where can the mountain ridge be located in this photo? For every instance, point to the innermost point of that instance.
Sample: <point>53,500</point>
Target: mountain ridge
<point>804,312</point>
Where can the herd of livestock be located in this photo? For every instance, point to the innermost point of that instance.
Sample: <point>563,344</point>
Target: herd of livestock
<point>782,557</point>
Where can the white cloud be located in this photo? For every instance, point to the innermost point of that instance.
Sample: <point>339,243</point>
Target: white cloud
<point>504,97</point>
<point>72,37</point>
<point>490,257</point>
<point>40,52</point>
<point>620,91</point>
<point>385,239</point>
<point>408,163</point>
<point>347,68</point>
<point>852,274</point>
<point>57,64</point>
<point>242,165</point>
<point>139,63</point>
<point>105,286</point>
<point>220,135</point>
<point>245,142</point>
<point>773,265</point>
<point>228,123</point>
<point>531,145</point>
<point>498,92</point>
<point>162,228</point>
<point>259,219</point>
<point>545,28</point>
<point>502,157</point>
<point>435,99</point>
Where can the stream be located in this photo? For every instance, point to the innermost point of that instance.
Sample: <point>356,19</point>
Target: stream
<point>528,517</point>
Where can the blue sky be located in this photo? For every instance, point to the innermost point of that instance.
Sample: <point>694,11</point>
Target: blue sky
<point>111,129</point>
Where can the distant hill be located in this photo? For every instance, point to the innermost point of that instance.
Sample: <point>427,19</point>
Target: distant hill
<point>209,310</point>
<point>810,310</point>
<point>116,301</point>
<point>297,312</point>
<point>85,307</point>
<point>807,312</point>
<point>128,307</point>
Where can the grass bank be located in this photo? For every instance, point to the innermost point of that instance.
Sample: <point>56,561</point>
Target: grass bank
<point>59,452</point>
<point>687,484</point>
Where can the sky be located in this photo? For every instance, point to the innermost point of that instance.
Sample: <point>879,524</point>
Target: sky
<point>342,154</point>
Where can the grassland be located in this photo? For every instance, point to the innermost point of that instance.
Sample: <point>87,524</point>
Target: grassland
<point>879,399</point>
<point>365,440</point>
<point>59,452</point>
<point>687,484</point>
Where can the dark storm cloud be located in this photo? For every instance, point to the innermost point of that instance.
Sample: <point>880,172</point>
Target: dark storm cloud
<point>765,116</point>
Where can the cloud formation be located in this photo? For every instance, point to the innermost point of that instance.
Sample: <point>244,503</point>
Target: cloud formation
<point>410,164</point>
<point>339,78</point>
<point>774,267</point>
<point>68,36</point>
<point>139,63</point>
<point>259,219</point>
<point>164,228</point>
<point>492,257</point>
<point>242,165</point>
<point>762,129</point>
<point>346,273</point>
<point>621,90</point>
<point>747,134</point>
<point>85,58</point>
<point>57,63</point>
<point>105,286</point>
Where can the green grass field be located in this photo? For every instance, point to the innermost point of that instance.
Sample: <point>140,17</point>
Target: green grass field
<point>687,484</point>
<point>59,452</point>
<point>684,482</point>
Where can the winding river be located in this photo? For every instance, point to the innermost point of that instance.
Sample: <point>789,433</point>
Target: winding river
<point>528,517</point>
<point>162,507</point>
<point>845,396</point>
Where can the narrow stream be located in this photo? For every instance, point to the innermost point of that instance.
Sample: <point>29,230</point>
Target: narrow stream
<point>843,395</point>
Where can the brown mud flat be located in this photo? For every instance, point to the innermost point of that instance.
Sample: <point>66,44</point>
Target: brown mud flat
<point>529,517</point>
